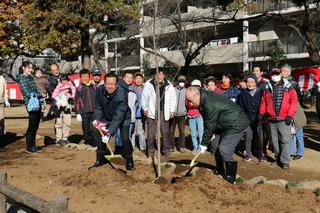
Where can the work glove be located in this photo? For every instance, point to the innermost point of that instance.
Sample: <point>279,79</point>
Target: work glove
<point>102,127</point>
<point>288,121</point>
<point>105,139</point>
<point>79,118</point>
<point>203,149</point>
<point>7,104</point>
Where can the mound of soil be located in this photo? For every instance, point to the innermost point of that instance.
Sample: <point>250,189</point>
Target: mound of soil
<point>111,189</point>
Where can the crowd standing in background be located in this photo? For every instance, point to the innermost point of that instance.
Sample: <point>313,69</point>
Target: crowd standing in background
<point>266,114</point>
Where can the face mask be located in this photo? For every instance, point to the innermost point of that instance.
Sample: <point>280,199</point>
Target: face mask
<point>181,84</point>
<point>276,78</point>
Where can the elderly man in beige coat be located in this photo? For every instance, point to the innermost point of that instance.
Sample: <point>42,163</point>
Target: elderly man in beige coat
<point>3,102</point>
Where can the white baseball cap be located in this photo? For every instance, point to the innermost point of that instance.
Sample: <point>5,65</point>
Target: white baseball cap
<point>196,82</point>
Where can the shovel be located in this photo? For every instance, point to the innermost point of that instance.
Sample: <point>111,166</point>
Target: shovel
<point>112,155</point>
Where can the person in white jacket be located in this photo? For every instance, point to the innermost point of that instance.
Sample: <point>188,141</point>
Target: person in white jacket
<point>167,108</point>
<point>3,101</point>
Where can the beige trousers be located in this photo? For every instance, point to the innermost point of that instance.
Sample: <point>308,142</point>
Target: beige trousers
<point>63,126</point>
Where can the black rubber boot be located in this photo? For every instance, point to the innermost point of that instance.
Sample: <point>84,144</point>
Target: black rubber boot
<point>231,171</point>
<point>129,164</point>
<point>100,161</point>
<point>219,170</point>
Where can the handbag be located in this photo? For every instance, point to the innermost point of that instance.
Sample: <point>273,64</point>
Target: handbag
<point>34,103</point>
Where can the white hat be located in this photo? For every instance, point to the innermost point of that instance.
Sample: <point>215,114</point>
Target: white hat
<point>196,82</point>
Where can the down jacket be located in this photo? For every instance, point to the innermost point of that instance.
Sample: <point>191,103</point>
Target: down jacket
<point>288,106</point>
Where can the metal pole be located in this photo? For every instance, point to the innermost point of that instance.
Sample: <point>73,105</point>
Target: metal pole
<point>106,52</point>
<point>141,37</point>
<point>116,56</point>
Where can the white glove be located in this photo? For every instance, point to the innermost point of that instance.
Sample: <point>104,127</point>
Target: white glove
<point>7,104</point>
<point>79,118</point>
<point>203,149</point>
<point>318,84</point>
<point>105,139</point>
<point>233,99</point>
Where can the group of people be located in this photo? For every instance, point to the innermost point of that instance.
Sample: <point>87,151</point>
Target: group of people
<point>265,113</point>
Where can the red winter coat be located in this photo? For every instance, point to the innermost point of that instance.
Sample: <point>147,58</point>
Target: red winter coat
<point>289,102</point>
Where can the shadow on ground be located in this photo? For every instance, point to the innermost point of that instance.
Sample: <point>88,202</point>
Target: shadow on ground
<point>9,138</point>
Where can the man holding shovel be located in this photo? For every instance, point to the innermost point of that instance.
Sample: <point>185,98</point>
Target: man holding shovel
<point>111,108</point>
<point>223,115</point>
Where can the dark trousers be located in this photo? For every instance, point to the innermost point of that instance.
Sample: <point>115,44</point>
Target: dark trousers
<point>34,120</point>
<point>164,129</point>
<point>224,148</point>
<point>87,128</point>
<point>253,139</point>
<point>264,134</point>
<point>126,143</point>
<point>181,121</point>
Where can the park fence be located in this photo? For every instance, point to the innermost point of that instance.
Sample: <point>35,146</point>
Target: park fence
<point>58,204</point>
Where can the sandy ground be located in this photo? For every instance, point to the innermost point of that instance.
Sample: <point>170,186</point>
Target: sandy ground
<point>64,171</point>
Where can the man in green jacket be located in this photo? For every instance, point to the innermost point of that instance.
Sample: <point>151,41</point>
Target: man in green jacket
<point>225,117</point>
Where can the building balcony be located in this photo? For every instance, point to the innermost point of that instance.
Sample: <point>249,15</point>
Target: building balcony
<point>290,46</point>
<point>261,6</point>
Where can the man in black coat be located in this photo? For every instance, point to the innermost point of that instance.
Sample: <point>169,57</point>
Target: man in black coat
<point>225,116</point>
<point>111,107</point>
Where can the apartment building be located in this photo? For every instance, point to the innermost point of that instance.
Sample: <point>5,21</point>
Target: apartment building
<point>236,41</point>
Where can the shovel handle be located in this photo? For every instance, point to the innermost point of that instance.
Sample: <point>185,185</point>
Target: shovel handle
<point>108,145</point>
<point>194,159</point>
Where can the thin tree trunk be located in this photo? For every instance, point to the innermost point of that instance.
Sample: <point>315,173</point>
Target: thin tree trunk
<point>85,49</point>
<point>313,51</point>
<point>158,113</point>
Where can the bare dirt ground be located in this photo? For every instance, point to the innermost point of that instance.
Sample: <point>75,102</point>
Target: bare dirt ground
<point>64,171</point>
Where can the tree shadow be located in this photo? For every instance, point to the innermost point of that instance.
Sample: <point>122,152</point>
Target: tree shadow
<point>75,138</point>
<point>199,164</point>
<point>312,139</point>
<point>18,207</point>
<point>312,116</point>
<point>9,138</point>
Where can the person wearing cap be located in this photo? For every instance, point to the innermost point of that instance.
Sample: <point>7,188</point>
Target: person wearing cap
<point>62,94</point>
<point>168,106</point>
<point>210,84</point>
<point>195,122</point>
<point>278,105</point>
<point>249,100</point>
<point>4,101</point>
<point>137,88</point>
<point>84,102</point>
<point>96,73</point>
<point>225,116</point>
<point>179,115</point>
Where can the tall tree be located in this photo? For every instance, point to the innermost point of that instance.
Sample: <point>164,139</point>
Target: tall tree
<point>11,33</point>
<point>307,25</point>
<point>74,27</point>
